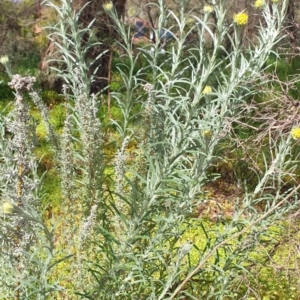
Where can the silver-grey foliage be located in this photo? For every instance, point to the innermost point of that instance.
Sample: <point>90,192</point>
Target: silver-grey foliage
<point>128,228</point>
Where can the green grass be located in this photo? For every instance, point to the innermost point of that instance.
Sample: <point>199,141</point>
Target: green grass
<point>285,68</point>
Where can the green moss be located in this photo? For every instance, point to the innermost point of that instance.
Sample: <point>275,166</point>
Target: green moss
<point>51,97</point>
<point>116,113</point>
<point>41,131</point>
<point>52,189</point>
<point>269,279</point>
<point>57,116</point>
<point>116,82</point>
<point>45,155</point>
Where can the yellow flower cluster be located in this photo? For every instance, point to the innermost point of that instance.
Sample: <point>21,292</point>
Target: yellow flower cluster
<point>208,9</point>
<point>7,208</point>
<point>295,133</point>
<point>259,3</point>
<point>108,6</point>
<point>207,90</point>
<point>240,18</point>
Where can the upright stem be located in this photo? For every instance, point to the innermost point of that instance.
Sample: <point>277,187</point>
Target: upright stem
<point>19,203</point>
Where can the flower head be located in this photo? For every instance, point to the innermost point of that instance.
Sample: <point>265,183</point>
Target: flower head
<point>295,133</point>
<point>7,208</point>
<point>207,134</point>
<point>22,83</point>
<point>108,6</point>
<point>259,3</point>
<point>208,9</point>
<point>4,59</point>
<point>207,90</point>
<point>240,18</point>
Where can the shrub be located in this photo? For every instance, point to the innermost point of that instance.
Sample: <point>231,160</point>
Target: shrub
<point>122,234</point>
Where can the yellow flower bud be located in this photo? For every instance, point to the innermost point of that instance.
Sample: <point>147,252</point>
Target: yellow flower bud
<point>207,90</point>
<point>259,3</point>
<point>208,9</point>
<point>4,59</point>
<point>207,134</point>
<point>108,6</point>
<point>7,208</point>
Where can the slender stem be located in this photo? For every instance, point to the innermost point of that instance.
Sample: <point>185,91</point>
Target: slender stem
<point>19,203</point>
<point>109,75</point>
